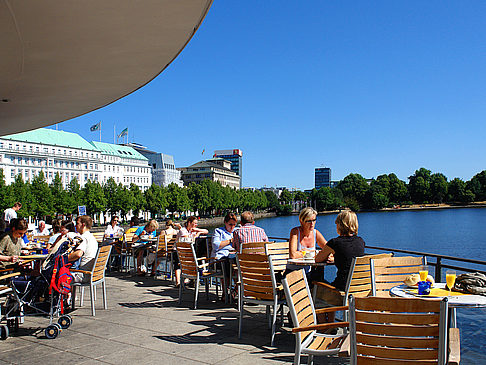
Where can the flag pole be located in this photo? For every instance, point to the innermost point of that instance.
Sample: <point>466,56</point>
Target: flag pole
<point>114,133</point>
<point>100,131</point>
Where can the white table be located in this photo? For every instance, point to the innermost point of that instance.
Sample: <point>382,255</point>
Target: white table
<point>306,262</point>
<point>455,301</point>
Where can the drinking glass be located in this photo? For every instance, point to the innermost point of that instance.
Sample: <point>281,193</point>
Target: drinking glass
<point>450,279</point>
<point>303,253</point>
<point>424,272</point>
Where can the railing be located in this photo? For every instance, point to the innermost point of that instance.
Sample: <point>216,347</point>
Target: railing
<point>438,263</point>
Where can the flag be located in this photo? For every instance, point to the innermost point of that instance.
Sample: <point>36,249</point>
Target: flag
<point>202,153</point>
<point>95,127</point>
<point>123,133</point>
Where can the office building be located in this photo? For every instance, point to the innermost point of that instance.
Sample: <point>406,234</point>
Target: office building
<point>164,171</point>
<point>71,156</point>
<point>235,157</point>
<point>215,169</point>
<point>322,177</point>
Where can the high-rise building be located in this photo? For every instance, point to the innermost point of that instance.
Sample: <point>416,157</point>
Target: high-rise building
<point>322,177</point>
<point>235,157</point>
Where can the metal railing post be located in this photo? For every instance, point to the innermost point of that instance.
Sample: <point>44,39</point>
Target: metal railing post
<point>438,269</point>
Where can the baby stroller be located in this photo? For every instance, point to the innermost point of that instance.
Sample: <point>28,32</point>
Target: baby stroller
<point>44,294</point>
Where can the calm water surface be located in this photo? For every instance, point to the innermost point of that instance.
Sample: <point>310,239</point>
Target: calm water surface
<point>454,232</point>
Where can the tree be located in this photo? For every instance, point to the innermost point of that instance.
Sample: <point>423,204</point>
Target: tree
<point>199,197</point>
<point>398,192</point>
<point>125,200</point>
<point>155,200</point>
<point>6,200</point>
<point>272,200</point>
<point>419,186</point>
<point>376,198</point>
<point>438,187</point>
<point>458,191</point>
<point>110,190</point>
<point>21,193</point>
<point>285,197</point>
<point>325,199</point>
<point>60,201</point>
<point>74,196</point>
<point>354,188</point>
<point>477,185</point>
<point>138,203</point>
<point>94,198</point>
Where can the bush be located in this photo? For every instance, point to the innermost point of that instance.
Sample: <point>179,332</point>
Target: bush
<point>285,209</point>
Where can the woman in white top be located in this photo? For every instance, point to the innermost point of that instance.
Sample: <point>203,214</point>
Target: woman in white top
<point>188,233</point>
<point>113,230</point>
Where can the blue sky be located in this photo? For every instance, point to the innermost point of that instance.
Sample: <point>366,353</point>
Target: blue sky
<point>367,87</point>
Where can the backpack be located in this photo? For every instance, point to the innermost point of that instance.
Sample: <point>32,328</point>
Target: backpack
<point>61,276</point>
<point>473,283</point>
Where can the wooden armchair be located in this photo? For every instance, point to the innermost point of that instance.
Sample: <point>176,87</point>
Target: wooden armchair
<point>392,271</point>
<point>95,276</point>
<point>401,331</point>
<point>191,269</point>
<point>280,255</point>
<point>258,286</point>
<point>253,247</point>
<point>304,316</point>
<point>358,283</point>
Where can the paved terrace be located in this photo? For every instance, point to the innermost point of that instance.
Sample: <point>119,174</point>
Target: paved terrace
<point>145,325</point>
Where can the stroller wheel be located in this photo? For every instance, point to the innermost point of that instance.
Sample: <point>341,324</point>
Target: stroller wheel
<point>3,332</point>
<point>65,321</point>
<point>52,331</point>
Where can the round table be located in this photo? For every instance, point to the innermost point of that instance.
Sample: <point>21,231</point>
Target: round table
<point>455,301</point>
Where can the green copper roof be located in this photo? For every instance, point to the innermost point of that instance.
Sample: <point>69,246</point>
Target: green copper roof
<point>52,137</point>
<point>118,150</point>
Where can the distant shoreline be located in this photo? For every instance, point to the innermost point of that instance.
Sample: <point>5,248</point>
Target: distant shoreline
<point>415,207</point>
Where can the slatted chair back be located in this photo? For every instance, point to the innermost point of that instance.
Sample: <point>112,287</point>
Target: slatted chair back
<point>99,236</point>
<point>256,276</point>
<point>301,306</point>
<point>187,259</point>
<point>98,272</point>
<point>389,272</point>
<point>395,330</point>
<point>359,277</point>
<point>128,237</point>
<point>280,254</point>
<point>253,248</point>
<point>170,241</point>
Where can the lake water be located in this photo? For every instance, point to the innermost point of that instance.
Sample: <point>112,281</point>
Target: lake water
<point>454,232</point>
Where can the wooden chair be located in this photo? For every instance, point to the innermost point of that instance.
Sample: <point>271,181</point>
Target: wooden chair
<point>358,283</point>
<point>401,331</point>
<point>389,272</point>
<point>258,286</point>
<point>253,247</point>
<point>191,269</point>
<point>96,276</point>
<point>307,340</point>
<point>280,254</point>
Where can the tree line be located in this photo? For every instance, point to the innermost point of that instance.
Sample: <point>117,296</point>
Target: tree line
<point>39,199</point>
<point>210,198</point>
<point>424,187</point>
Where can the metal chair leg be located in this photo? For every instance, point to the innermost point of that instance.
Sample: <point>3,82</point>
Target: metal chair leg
<point>196,291</point>
<point>105,303</point>
<point>91,292</point>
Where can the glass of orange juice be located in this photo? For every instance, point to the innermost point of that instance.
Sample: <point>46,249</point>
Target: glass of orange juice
<point>424,272</point>
<point>303,253</point>
<point>450,279</point>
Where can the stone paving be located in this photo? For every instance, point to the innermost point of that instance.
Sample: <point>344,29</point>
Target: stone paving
<point>144,324</point>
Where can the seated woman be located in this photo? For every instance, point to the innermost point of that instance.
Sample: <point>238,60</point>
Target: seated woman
<point>306,238</point>
<point>222,244</point>
<point>188,233</point>
<point>344,248</point>
<point>113,230</point>
<point>171,228</point>
<point>150,229</point>
<point>11,242</point>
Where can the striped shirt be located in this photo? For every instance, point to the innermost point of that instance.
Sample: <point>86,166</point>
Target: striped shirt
<point>248,233</point>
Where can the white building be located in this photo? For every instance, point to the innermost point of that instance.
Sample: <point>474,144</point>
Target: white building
<point>124,164</point>
<point>71,156</point>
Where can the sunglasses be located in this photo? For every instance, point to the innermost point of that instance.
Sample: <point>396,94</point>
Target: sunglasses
<point>310,220</point>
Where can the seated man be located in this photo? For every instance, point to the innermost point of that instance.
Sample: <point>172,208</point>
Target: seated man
<point>41,230</point>
<point>86,250</point>
<point>248,232</point>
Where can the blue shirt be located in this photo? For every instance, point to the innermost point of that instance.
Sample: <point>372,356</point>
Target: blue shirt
<point>139,231</point>
<point>221,234</point>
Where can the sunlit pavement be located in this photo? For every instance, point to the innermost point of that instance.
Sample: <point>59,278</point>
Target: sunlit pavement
<point>144,324</point>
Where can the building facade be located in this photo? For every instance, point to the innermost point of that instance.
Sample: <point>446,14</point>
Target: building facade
<point>71,156</point>
<point>163,167</point>
<point>322,177</point>
<point>216,169</point>
<point>235,157</point>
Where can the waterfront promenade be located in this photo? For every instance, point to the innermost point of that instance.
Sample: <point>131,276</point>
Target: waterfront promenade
<point>144,324</point>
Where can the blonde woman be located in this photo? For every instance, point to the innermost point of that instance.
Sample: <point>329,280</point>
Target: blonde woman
<point>306,238</point>
<point>344,248</point>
